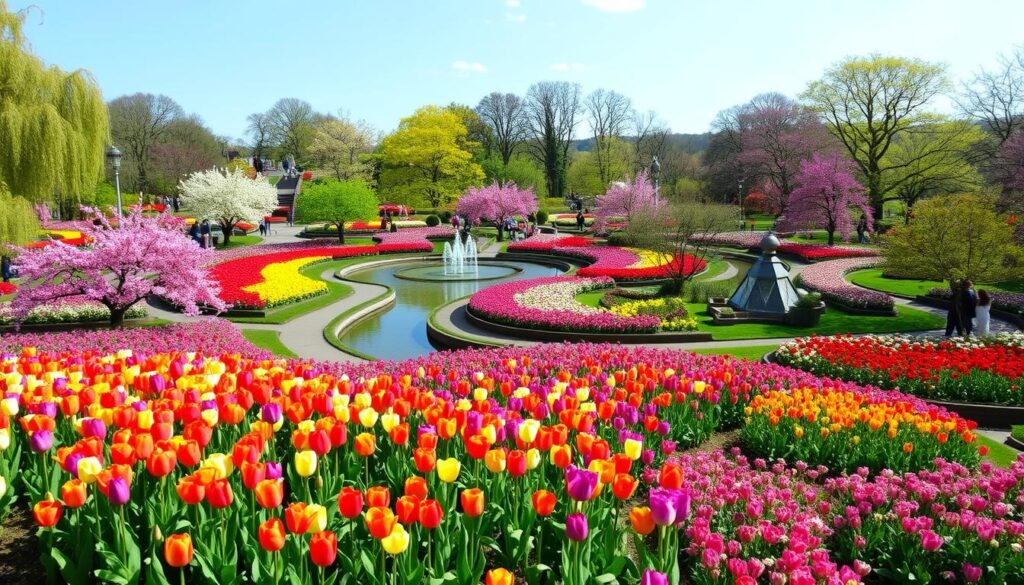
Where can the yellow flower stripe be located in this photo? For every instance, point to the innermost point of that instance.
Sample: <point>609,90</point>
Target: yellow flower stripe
<point>659,307</point>
<point>282,282</point>
<point>64,234</point>
<point>647,258</point>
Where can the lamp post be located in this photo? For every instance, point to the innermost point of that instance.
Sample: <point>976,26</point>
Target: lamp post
<point>114,156</point>
<point>739,197</point>
<point>656,176</point>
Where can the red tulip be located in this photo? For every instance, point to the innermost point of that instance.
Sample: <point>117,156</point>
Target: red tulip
<point>350,502</point>
<point>430,514</point>
<point>323,548</point>
<point>272,535</point>
<point>219,494</point>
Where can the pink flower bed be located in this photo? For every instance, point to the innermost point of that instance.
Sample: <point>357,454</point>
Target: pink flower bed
<point>735,239</point>
<point>815,252</point>
<point>419,236</point>
<point>828,278</point>
<point>550,304</point>
<point>548,242</point>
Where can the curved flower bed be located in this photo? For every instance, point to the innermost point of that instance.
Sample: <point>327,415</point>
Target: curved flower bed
<point>69,310</point>
<point>569,219</point>
<point>550,304</point>
<point>828,278</point>
<point>1003,301</point>
<point>744,240</point>
<point>957,369</point>
<point>420,236</point>
<point>240,464</point>
<point>671,311</point>
<point>546,242</point>
<point>816,252</point>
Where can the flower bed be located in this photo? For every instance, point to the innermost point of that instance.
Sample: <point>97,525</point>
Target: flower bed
<point>70,310</point>
<point>745,240</point>
<point>671,312</point>
<point>956,369</point>
<point>550,304</point>
<point>816,252</point>
<point>850,428</point>
<point>828,278</point>
<point>569,219</point>
<point>1002,301</point>
<point>7,288</point>
<point>547,242</point>
<point>419,236</point>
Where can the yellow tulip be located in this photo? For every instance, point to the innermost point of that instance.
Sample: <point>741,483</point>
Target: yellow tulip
<point>583,393</point>
<point>396,542</point>
<point>633,448</point>
<point>306,426</point>
<point>448,469</point>
<point>88,469</point>
<point>363,399</point>
<point>3,487</point>
<point>9,406</point>
<point>495,460</point>
<point>479,394</point>
<point>528,430</point>
<point>222,463</point>
<point>5,439</point>
<point>368,417</point>
<point>210,417</point>
<point>533,458</point>
<point>305,462</point>
<point>489,433</point>
<point>389,421</point>
<point>318,514</point>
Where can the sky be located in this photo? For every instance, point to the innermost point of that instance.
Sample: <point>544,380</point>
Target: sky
<point>379,60</point>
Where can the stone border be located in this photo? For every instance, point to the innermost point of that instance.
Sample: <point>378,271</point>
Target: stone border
<point>515,270</point>
<point>1014,443</point>
<point>549,335</point>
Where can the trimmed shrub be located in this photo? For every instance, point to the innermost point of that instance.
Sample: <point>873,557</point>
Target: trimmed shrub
<point>433,221</point>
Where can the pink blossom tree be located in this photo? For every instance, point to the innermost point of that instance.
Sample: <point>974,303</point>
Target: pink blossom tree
<point>1011,162</point>
<point>826,190</point>
<point>626,199</point>
<point>497,202</point>
<point>123,265</point>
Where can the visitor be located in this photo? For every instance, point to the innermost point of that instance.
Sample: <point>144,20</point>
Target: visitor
<point>177,206</point>
<point>862,229</point>
<point>953,322</point>
<point>968,307</point>
<point>521,230</point>
<point>193,232</point>
<point>5,268</point>
<point>392,227</point>
<point>263,227</point>
<point>982,314</point>
<point>204,232</point>
<point>580,220</point>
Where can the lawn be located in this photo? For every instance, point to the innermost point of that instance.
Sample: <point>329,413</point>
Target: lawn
<point>239,241</point>
<point>872,278</point>
<point>268,340</point>
<point>715,267</point>
<point>998,453</point>
<point>751,352</point>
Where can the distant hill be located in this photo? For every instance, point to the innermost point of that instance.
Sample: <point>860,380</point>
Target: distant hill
<point>689,143</point>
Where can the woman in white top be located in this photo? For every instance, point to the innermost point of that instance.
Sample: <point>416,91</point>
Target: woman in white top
<point>982,315</point>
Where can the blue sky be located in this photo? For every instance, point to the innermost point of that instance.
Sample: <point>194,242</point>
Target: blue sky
<point>381,59</point>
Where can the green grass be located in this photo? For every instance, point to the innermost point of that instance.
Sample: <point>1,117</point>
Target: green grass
<point>268,340</point>
<point>751,352</point>
<point>590,299</point>
<point>239,241</point>
<point>998,453</point>
<point>1017,432</point>
<point>872,278</point>
<point>715,267</point>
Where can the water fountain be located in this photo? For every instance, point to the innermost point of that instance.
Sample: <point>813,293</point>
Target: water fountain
<point>460,258</point>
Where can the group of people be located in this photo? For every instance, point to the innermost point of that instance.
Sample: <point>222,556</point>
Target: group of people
<point>518,230</point>
<point>969,312</point>
<point>386,222</point>
<point>461,225</point>
<point>171,203</point>
<point>574,201</point>
<point>200,233</point>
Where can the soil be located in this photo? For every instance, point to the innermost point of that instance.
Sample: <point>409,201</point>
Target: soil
<point>19,550</point>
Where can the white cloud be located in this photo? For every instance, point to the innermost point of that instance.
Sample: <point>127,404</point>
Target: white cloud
<point>566,67</point>
<point>512,3</point>
<point>467,67</point>
<point>616,5</point>
<point>516,17</point>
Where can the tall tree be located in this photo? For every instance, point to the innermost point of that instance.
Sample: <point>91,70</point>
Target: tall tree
<point>292,127</point>
<point>341,146</point>
<point>650,136</point>
<point>1011,168</point>
<point>934,159</point>
<point>228,198</point>
<point>137,122</point>
<point>336,203</point>
<point>869,102</point>
<point>478,138</point>
<point>995,99</point>
<point>428,156</point>
<point>608,112</point>
<point>259,130</point>
<point>53,123</point>
<point>552,108</point>
<point>825,193</point>
<point>186,146</point>
<point>724,167</point>
<point>505,114</point>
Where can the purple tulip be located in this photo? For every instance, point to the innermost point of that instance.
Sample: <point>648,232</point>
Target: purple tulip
<point>41,441</point>
<point>274,470</point>
<point>576,527</point>
<point>683,500</point>
<point>271,413</point>
<point>652,577</point>
<point>118,491</point>
<point>94,427</point>
<point>580,483</point>
<point>664,506</point>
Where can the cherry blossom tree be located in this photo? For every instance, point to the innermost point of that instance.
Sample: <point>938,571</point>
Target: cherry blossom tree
<point>626,199</point>
<point>826,190</point>
<point>228,197</point>
<point>497,202</point>
<point>1011,162</point>
<point>123,265</point>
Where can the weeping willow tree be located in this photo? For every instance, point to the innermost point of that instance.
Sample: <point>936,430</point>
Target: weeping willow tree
<point>18,222</point>
<point>53,124</point>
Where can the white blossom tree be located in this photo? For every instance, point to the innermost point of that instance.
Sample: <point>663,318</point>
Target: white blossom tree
<point>227,198</point>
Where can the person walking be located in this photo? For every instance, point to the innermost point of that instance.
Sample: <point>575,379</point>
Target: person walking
<point>5,268</point>
<point>983,314</point>
<point>204,233</point>
<point>581,221</point>
<point>263,227</point>
<point>862,229</point>
<point>953,322</point>
<point>968,307</point>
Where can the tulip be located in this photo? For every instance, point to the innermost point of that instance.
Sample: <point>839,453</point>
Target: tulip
<point>366,444</point>
<point>269,493</point>
<point>178,550</point>
<point>544,502</point>
<point>272,535</point>
<point>118,491</point>
<point>416,486</point>
<point>296,519</point>
<point>47,512</point>
<point>528,430</point>
<point>380,522</point>
<point>88,469</point>
<point>448,469</point>
<point>430,514</point>
<point>425,459</point>
<point>652,577</point>
<point>396,542</point>
<point>671,476</point>
<point>495,460</point>
<point>407,508</point>
<point>472,502</point>
<point>378,496</point>
<point>368,417</point>
<point>561,456</point>
<point>305,462</point>
<point>161,463</point>
<point>663,506</point>
<point>191,490</point>
<point>632,448</point>
<point>350,502</point>
<point>499,577</point>
<point>624,485</point>
<point>576,527</point>
<point>580,483</point>
<point>253,474</point>
<point>323,548</point>
<point>41,441</point>
<point>642,520</point>
<point>219,494</point>
<point>73,492</point>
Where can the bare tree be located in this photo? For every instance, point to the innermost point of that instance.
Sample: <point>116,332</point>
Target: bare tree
<point>137,122</point>
<point>650,136</point>
<point>505,114</point>
<point>609,113</point>
<point>995,99</point>
<point>552,108</point>
<point>259,131</point>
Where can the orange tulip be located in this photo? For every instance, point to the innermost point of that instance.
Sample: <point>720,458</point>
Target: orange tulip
<point>296,519</point>
<point>272,535</point>
<point>416,486</point>
<point>400,434</point>
<point>407,509</point>
<point>47,512</point>
<point>161,462</point>
<point>623,486</point>
<point>269,493</point>
<point>380,522</point>
<point>499,577</point>
<point>191,490</point>
<point>671,476</point>
<point>427,441</point>
<point>472,502</point>
<point>378,496</point>
<point>642,520</point>
<point>74,493</point>
<point>425,459</point>
<point>366,444</point>
<point>323,548</point>
<point>219,494</point>
<point>561,456</point>
<point>178,550</point>
<point>544,502</point>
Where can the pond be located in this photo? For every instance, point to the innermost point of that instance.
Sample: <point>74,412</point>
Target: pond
<point>401,331</point>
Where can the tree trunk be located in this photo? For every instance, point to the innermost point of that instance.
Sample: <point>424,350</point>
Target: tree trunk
<point>341,232</point>
<point>831,236</point>
<point>226,230</point>
<point>501,230</point>
<point>117,317</point>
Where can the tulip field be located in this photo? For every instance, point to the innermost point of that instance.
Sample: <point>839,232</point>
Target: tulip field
<point>557,464</point>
